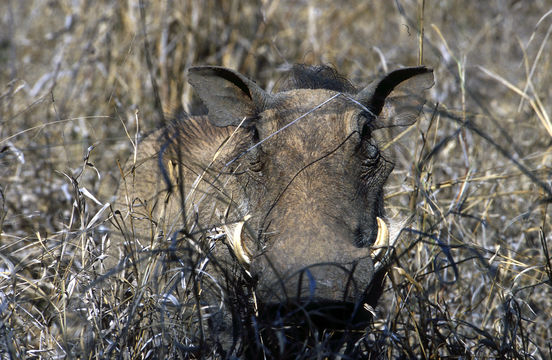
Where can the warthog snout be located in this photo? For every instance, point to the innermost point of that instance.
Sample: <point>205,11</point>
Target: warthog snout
<point>294,178</point>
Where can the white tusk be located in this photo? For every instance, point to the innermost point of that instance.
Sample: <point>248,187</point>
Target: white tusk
<point>382,240</point>
<point>238,246</point>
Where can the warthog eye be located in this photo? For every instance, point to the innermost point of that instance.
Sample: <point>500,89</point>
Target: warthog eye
<point>256,165</point>
<point>371,155</point>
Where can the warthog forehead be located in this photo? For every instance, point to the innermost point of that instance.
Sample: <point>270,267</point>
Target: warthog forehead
<point>306,101</point>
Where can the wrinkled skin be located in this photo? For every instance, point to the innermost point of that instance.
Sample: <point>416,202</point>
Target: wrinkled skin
<point>299,204</point>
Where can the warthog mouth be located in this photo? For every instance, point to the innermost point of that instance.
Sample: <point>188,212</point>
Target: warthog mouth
<point>322,314</point>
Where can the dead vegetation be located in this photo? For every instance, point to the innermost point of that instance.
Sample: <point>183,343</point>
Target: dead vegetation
<point>472,277</point>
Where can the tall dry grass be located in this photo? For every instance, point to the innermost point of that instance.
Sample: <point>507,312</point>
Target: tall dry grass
<point>473,274</point>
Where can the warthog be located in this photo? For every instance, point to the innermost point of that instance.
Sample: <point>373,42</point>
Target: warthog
<point>294,180</point>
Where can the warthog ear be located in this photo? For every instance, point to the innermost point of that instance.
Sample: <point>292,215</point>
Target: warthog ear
<point>397,98</point>
<point>228,95</point>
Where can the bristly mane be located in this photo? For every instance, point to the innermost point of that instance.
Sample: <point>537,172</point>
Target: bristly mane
<point>303,76</point>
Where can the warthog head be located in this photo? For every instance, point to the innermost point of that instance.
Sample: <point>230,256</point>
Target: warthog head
<point>294,178</point>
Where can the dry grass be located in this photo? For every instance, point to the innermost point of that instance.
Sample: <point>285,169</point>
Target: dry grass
<point>473,276</point>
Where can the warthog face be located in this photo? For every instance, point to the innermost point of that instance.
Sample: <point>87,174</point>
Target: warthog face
<point>295,178</point>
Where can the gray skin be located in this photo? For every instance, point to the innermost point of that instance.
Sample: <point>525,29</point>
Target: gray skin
<point>300,201</point>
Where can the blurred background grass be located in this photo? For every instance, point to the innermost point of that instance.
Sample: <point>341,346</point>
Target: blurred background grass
<point>474,279</point>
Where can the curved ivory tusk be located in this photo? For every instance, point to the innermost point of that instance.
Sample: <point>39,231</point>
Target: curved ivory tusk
<point>238,246</point>
<point>382,240</point>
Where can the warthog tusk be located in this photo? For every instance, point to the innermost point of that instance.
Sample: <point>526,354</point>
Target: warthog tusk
<point>382,240</point>
<point>238,246</point>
